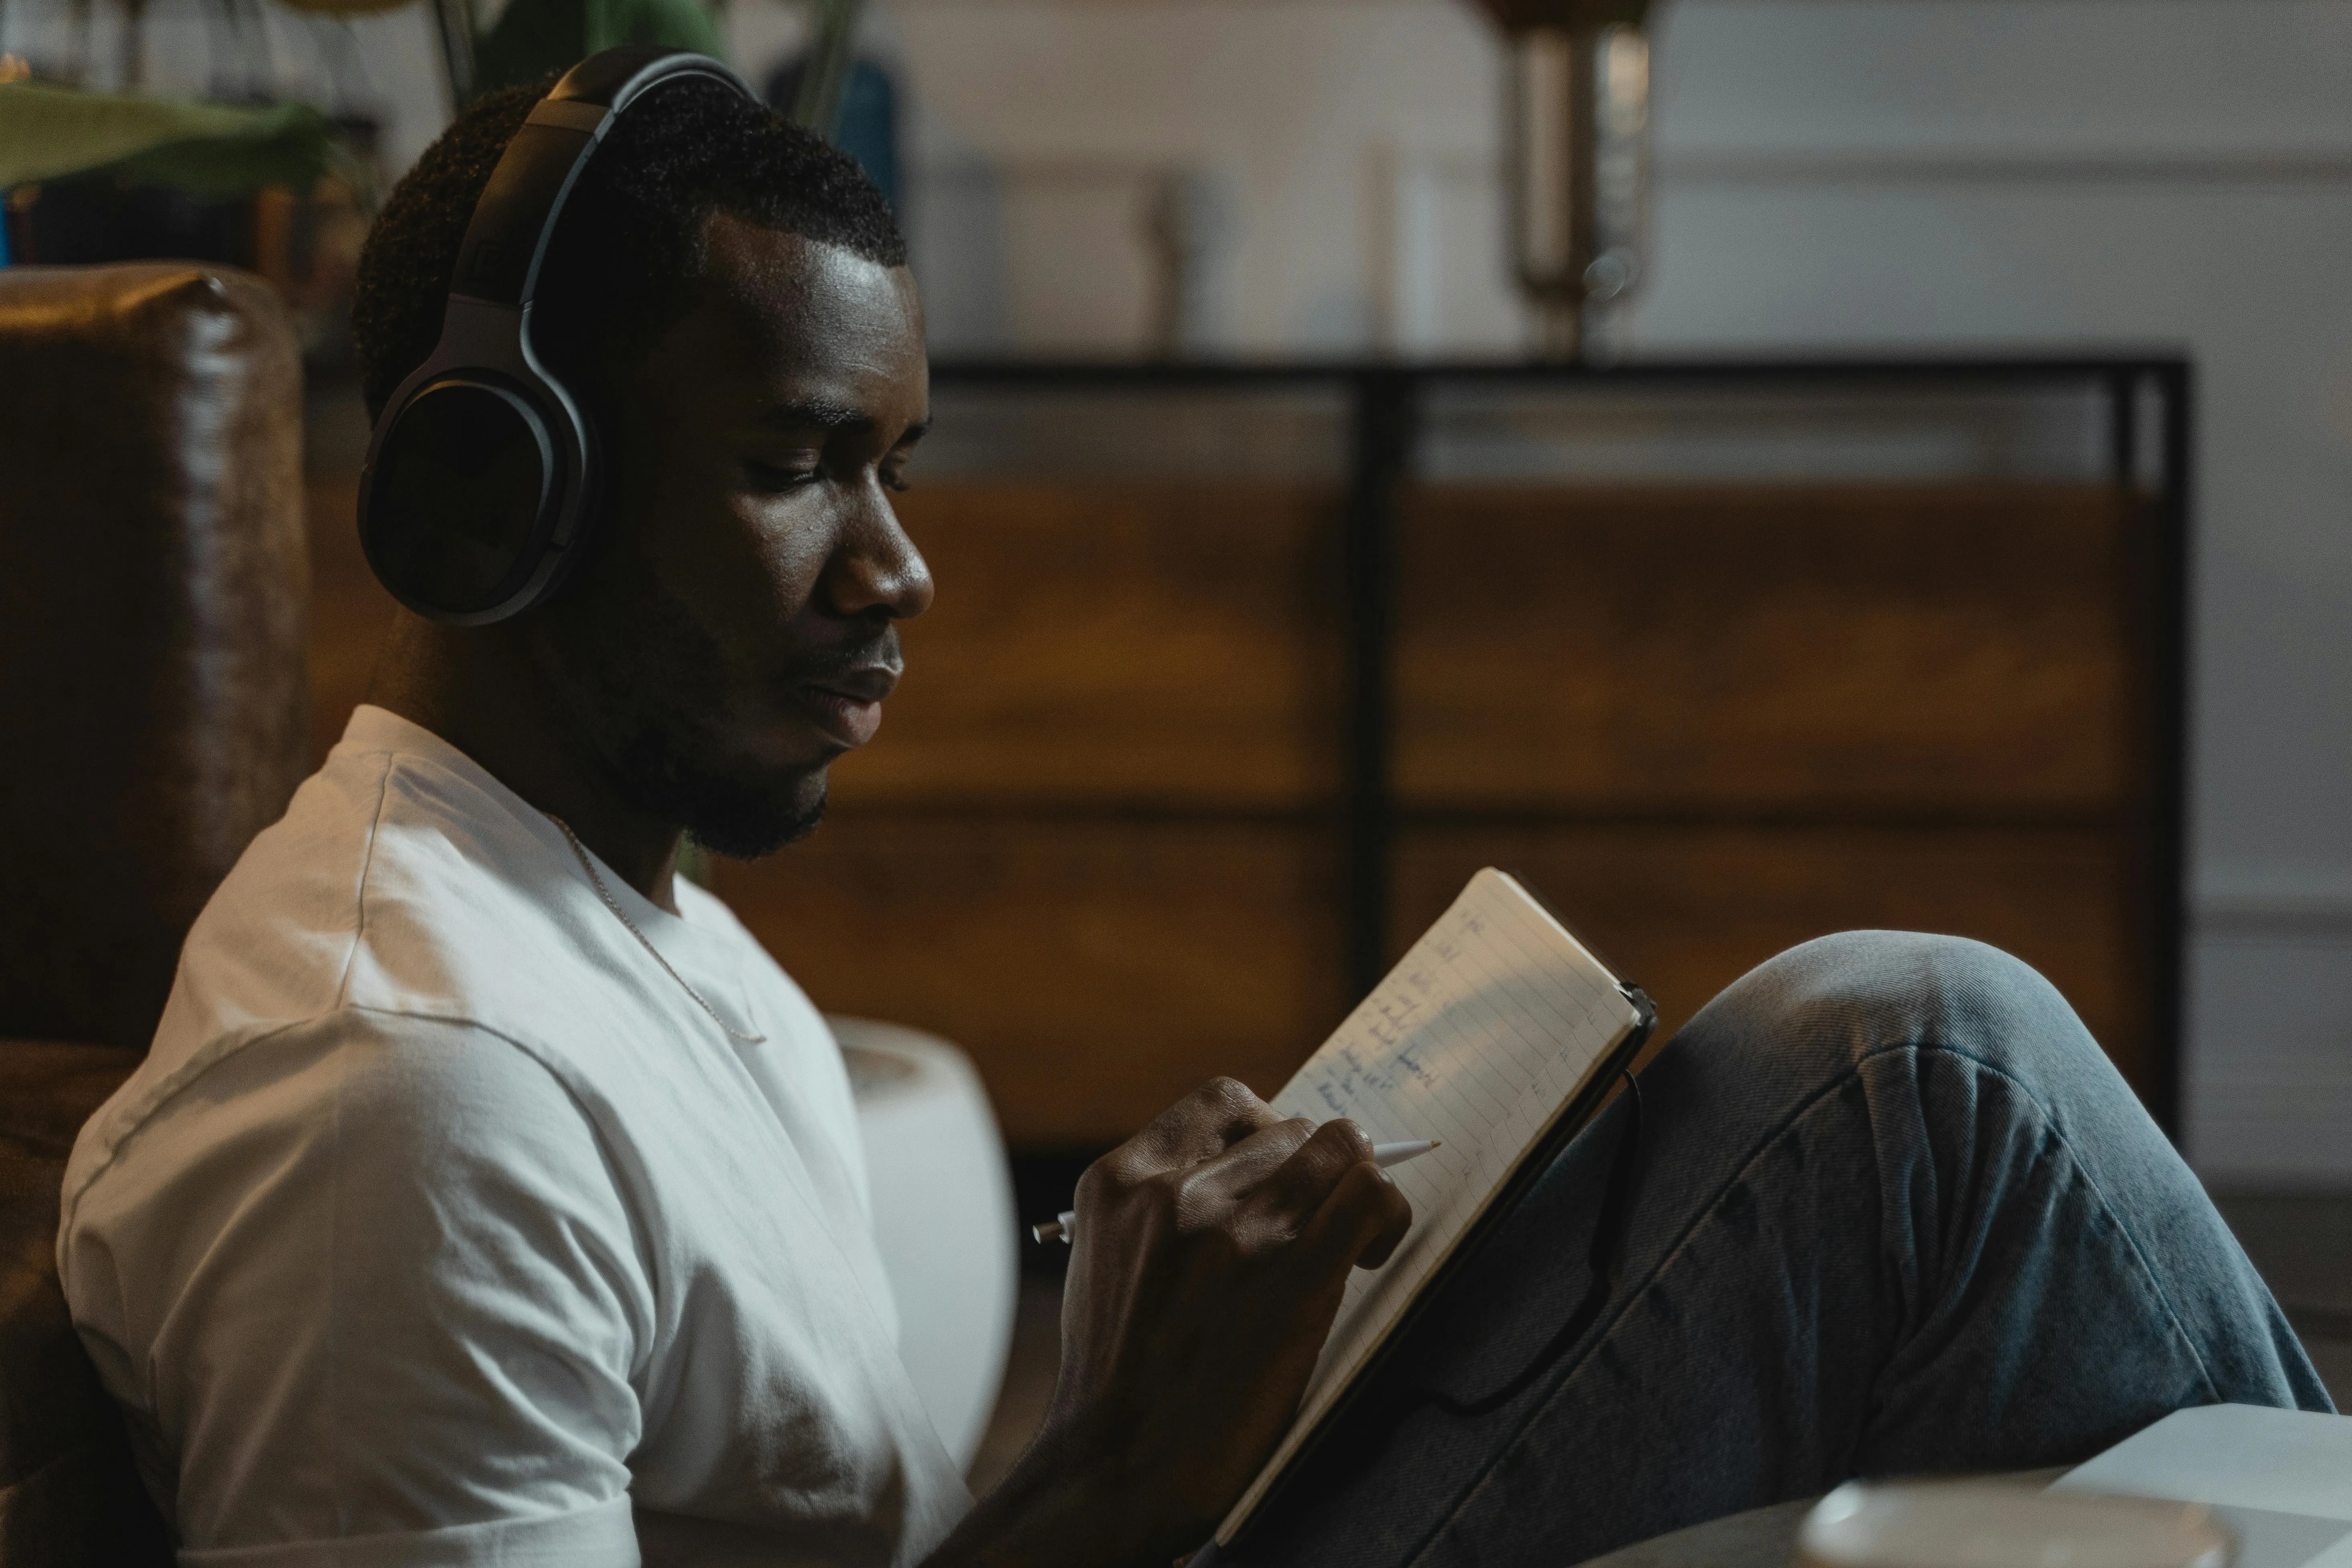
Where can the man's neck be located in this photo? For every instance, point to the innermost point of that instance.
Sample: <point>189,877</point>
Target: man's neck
<point>480,691</point>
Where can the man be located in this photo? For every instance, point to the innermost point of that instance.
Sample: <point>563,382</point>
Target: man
<point>490,1197</point>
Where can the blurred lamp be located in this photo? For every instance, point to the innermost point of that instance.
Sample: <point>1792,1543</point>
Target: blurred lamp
<point>1577,149</point>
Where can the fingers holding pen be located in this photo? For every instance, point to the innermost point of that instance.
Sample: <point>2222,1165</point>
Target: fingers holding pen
<point>1298,1189</point>
<point>1252,1163</point>
<point>1331,1170</point>
<point>1263,1190</point>
<point>1362,1222</point>
<point>1219,1132</point>
<point>1266,1188</point>
<point>1272,1185</point>
<point>1206,1122</point>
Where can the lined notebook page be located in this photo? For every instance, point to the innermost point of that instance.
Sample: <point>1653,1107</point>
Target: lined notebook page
<point>1479,1038</point>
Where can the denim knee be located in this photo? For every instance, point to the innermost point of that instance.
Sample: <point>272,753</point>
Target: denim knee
<point>1830,1003</point>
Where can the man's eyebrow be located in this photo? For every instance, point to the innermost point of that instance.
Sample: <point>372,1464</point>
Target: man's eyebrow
<point>815,413</point>
<point>818,414</point>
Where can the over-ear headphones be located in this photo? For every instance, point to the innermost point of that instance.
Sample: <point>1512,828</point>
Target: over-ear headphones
<point>480,488</point>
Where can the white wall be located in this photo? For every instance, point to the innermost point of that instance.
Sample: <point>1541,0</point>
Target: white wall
<point>1832,173</point>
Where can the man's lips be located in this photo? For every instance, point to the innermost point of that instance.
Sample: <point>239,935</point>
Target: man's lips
<point>848,704</point>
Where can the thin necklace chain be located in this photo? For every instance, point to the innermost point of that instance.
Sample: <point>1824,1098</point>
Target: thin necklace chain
<point>614,904</point>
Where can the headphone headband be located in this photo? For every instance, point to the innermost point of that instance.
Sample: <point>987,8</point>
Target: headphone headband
<point>507,240</point>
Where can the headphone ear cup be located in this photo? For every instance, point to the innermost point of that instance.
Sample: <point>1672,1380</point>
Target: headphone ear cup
<point>460,502</point>
<point>598,484</point>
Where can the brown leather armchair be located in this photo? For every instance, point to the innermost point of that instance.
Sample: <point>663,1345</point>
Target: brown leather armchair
<point>154,593</point>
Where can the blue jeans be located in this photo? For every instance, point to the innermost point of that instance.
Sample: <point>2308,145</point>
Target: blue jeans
<point>1891,1211</point>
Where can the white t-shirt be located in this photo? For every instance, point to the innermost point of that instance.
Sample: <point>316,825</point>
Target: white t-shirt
<point>442,1227</point>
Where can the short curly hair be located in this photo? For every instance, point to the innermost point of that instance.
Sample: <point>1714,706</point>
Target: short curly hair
<point>630,246</point>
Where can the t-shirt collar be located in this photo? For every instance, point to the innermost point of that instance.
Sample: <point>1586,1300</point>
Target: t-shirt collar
<point>680,940</point>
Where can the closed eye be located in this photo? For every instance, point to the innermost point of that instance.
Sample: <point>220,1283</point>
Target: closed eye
<point>770,478</point>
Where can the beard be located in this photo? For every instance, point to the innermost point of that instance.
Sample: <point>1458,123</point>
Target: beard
<point>726,805</point>
<point>656,694</point>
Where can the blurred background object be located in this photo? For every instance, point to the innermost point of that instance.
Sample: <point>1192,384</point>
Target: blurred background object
<point>850,100</point>
<point>1988,1524</point>
<point>1577,164</point>
<point>454,26</point>
<point>50,132</point>
<point>94,176</point>
<point>943,1218</point>
<point>1189,224</point>
<point>820,76</point>
<point>2278,1481</point>
<point>536,39</point>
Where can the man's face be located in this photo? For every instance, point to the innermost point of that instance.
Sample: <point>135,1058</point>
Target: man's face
<point>736,632</point>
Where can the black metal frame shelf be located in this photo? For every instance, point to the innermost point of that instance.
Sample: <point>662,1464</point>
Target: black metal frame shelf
<point>1386,403</point>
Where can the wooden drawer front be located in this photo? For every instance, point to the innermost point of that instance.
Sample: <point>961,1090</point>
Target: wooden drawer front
<point>1687,911</point>
<point>1772,648</point>
<point>1170,644</point>
<point>1095,971</point>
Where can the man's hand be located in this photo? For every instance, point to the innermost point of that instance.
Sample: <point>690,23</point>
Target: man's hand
<point>1210,1252</point>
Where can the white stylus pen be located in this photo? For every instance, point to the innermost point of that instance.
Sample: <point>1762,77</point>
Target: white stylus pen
<point>1059,1227</point>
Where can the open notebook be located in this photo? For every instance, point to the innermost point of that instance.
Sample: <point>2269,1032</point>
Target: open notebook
<point>1499,1034</point>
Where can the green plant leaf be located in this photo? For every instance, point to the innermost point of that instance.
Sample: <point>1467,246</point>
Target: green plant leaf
<point>211,149</point>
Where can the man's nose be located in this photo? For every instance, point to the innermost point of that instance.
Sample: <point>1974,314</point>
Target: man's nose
<point>876,566</point>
